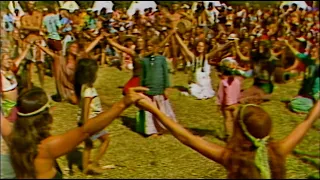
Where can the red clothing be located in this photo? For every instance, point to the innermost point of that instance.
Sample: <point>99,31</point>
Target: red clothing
<point>133,82</point>
<point>301,67</point>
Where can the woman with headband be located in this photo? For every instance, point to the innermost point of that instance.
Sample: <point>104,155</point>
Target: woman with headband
<point>34,150</point>
<point>250,153</point>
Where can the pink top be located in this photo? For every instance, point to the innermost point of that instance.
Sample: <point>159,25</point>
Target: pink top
<point>232,91</point>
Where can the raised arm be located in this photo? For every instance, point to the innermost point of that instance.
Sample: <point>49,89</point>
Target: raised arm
<point>292,49</point>
<point>164,41</point>
<point>287,145</point>
<point>189,17</point>
<point>242,57</point>
<point>62,144</point>
<point>207,149</point>
<point>94,43</point>
<point>213,53</point>
<point>184,47</point>
<point>121,48</point>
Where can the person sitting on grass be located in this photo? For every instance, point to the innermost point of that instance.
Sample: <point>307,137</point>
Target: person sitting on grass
<point>33,150</point>
<point>250,153</point>
<point>310,88</point>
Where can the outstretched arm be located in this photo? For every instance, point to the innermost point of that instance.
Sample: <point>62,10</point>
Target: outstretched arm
<point>207,149</point>
<point>121,48</point>
<point>300,56</point>
<point>60,145</point>
<point>287,145</point>
<point>18,60</point>
<point>292,49</point>
<point>94,43</point>
<point>213,53</point>
<point>164,41</point>
<point>242,57</point>
<point>46,50</point>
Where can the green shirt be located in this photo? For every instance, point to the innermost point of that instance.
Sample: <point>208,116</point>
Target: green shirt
<point>155,74</point>
<point>311,80</point>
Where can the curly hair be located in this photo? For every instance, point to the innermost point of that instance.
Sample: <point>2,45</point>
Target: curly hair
<point>29,131</point>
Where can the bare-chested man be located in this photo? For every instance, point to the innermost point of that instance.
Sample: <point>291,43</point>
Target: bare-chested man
<point>31,23</point>
<point>174,17</point>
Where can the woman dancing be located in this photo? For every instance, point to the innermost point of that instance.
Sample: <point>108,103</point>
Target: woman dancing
<point>64,68</point>
<point>200,81</point>
<point>250,153</point>
<point>34,150</point>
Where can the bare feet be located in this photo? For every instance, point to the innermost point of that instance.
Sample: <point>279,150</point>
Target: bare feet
<point>92,170</point>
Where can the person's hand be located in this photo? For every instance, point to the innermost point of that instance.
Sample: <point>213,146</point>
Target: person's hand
<point>134,94</point>
<point>146,104</point>
<point>37,42</point>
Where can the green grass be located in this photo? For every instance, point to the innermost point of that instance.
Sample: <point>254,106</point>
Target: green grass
<point>165,157</point>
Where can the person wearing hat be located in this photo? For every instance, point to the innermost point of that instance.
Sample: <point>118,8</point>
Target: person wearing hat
<point>186,13</point>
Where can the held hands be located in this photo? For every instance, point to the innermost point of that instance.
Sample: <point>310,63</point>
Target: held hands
<point>146,104</point>
<point>134,95</point>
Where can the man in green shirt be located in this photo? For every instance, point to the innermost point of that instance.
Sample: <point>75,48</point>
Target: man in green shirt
<point>155,76</point>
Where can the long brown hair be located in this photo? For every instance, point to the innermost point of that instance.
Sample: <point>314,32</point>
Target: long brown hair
<point>240,161</point>
<point>29,131</point>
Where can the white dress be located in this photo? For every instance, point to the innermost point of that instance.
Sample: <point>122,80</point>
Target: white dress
<point>202,88</point>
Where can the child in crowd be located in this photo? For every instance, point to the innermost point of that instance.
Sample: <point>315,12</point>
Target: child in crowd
<point>90,106</point>
<point>228,93</point>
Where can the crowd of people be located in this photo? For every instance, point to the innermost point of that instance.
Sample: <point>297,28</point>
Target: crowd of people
<point>269,44</point>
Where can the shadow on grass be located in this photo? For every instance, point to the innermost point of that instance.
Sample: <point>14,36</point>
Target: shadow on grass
<point>131,124</point>
<point>203,132</point>
<point>181,88</point>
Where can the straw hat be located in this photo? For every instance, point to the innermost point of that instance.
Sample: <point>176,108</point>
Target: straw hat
<point>135,31</point>
<point>185,6</point>
<point>232,37</point>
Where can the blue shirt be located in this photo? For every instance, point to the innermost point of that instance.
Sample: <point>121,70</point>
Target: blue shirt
<point>8,20</point>
<point>52,24</point>
<point>67,22</point>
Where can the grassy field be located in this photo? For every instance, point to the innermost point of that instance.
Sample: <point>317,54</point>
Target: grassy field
<point>164,157</point>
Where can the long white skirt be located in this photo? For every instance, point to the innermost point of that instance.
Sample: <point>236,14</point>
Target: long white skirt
<point>202,89</point>
<point>147,123</point>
